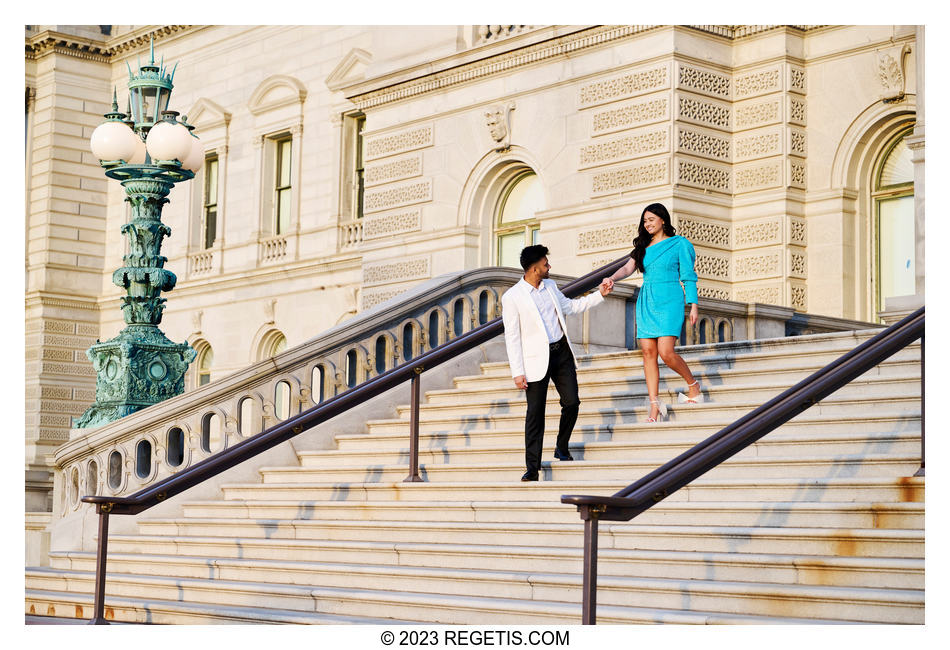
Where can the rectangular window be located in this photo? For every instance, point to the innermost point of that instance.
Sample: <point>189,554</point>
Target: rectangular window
<point>360,123</point>
<point>210,212</point>
<point>282,191</point>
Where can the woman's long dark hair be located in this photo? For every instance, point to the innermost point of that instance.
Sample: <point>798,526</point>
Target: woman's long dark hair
<point>644,238</point>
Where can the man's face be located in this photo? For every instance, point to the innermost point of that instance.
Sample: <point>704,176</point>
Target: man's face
<point>542,268</point>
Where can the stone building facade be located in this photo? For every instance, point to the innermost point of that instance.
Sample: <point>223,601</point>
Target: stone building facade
<point>371,158</point>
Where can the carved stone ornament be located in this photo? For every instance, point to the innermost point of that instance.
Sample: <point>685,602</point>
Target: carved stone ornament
<point>498,120</point>
<point>891,70</point>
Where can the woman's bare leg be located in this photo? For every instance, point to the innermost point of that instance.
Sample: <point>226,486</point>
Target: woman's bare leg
<point>665,348</point>
<point>651,371</point>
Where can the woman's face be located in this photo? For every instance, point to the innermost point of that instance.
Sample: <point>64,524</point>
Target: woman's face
<point>652,223</point>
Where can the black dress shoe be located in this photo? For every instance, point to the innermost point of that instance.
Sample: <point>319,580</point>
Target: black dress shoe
<point>530,476</point>
<point>563,455</point>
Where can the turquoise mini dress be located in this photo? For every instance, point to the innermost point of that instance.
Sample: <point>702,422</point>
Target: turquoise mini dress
<point>669,282</point>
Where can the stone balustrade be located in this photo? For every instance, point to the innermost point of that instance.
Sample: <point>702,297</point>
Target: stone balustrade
<point>200,263</point>
<point>272,249</point>
<point>351,234</point>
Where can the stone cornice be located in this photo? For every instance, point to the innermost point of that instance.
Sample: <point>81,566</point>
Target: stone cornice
<point>48,42</point>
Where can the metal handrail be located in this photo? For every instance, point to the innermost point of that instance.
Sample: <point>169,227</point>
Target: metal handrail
<point>693,463</point>
<point>411,370</point>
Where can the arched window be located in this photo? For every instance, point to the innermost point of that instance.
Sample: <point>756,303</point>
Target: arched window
<point>895,229</point>
<point>279,345</point>
<point>205,359</point>
<point>516,225</point>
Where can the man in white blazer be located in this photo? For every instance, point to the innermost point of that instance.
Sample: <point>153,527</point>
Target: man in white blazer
<point>538,351</point>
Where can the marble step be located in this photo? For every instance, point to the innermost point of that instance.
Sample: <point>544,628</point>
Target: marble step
<point>475,591</point>
<point>201,555</point>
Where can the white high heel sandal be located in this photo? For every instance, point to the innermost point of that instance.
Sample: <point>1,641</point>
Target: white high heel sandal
<point>660,405</point>
<point>683,398</point>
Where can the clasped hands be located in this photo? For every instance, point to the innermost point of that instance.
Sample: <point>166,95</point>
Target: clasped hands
<point>606,286</point>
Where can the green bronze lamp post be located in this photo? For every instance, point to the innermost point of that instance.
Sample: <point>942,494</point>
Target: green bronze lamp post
<point>147,150</point>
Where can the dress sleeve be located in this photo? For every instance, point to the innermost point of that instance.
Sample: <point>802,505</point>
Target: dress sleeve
<point>687,260</point>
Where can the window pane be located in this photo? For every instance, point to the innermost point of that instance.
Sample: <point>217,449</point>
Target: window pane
<point>279,346</point>
<point>524,199</point>
<point>898,168</point>
<point>509,249</point>
<point>896,246</point>
<point>535,236</point>
<point>211,226</point>
<point>283,163</point>
<point>283,211</point>
<point>211,181</point>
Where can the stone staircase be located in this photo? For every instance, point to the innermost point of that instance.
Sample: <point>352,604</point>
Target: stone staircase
<point>820,521</point>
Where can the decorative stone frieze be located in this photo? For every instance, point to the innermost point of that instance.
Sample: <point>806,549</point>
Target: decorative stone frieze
<point>702,175</point>
<point>701,143</point>
<point>415,268</point>
<point>797,174</point>
<point>770,295</point>
<point>799,297</point>
<point>631,177</point>
<point>798,233</point>
<point>393,223</point>
<point>797,112</point>
<point>373,298</point>
<point>759,177</point>
<point>637,113</point>
<point>703,81</point>
<point>627,85</point>
<point>759,265</point>
<point>760,82</point>
<point>797,142</point>
<point>397,196</point>
<point>712,265</point>
<point>625,148</point>
<point>796,80</point>
<point>704,232</point>
<point>395,170</point>
<point>759,113</point>
<point>758,144</point>
<point>757,233</point>
<point>389,145</point>
<point>607,238</point>
<point>706,112</point>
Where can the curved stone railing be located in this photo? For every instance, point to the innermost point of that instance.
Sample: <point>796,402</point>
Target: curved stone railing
<point>124,456</point>
<point>129,454</point>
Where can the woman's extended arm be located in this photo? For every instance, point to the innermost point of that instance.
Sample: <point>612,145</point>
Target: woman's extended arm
<point>623,271</point>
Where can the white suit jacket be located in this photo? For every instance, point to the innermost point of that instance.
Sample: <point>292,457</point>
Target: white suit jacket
<point>525,337</point>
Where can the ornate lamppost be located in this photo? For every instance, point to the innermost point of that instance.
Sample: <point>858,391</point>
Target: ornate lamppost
<point>147,150</point>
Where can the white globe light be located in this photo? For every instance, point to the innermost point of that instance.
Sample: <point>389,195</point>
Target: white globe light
<point>113,141</point>
<point>167,141</point>
<point>196,157</point>
<point>138,158</point>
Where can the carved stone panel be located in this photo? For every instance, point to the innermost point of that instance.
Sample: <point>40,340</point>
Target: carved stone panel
<point>797,112</point>
<point>752,234</point>
<point>798,233</point>
<point>373,298</point>
<point>391,223</point>
<point>797,80</point>
<point>706,112</point>
<point>759,176</point>
<point>767,294</point>
<point>700,142</point>
<point>414,268</point>
<point>797,263</point>
<point>891,65</point>
<point>799,297</point>
<point>714,266</point>
<point>758,82</point>
<point>397,196</point>
<point>707,291</point>
<point>627,147</point>
<point>704,232</point>
<point>797,142</point>
<point>758,144</point>
<point>758,265</point>
<point>707,176</point>
<point>703,81</point>
<point>636,113</point>
<point>623,86</point>
<point>797,173</point>
<point>378,146</point>
<point>630,177</point>
<point>757,113</point>
<point>606,238</point>
<point>393,170</point>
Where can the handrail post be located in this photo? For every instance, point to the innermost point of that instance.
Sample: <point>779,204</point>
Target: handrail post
<point>923,417</point>
<point>98,616</point>
<point>414,428</point>
<point>591,516</point>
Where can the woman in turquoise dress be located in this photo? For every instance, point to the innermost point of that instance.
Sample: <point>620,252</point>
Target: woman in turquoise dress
<point>669,283</point>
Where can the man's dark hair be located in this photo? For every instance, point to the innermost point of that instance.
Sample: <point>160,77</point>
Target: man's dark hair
<point>531,254</point>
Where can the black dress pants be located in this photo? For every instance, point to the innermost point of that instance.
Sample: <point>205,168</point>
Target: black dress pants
<point>562,371</point>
